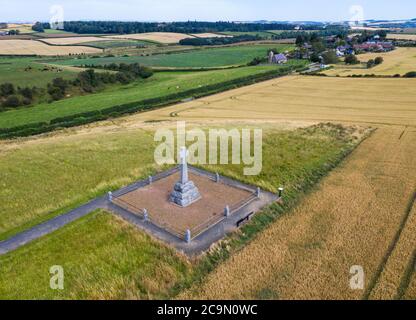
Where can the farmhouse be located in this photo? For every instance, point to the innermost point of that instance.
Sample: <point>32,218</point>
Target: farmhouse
<point>278,58</point>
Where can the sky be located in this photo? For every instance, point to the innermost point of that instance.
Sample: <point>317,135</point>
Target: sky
<point>206,10</point>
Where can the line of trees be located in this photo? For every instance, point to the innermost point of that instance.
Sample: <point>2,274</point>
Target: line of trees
<point>216,41</point>
<point>182,27</point>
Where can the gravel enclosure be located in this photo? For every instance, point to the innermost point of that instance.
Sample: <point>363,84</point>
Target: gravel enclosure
<point>197,217</point>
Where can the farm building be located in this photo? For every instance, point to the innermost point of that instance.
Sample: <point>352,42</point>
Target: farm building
<point>278,58</point>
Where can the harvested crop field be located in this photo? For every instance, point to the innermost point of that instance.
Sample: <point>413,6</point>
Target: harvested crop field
<point>209,35</point>
<point>351,219</point>
<point>376,101</point>
<point>399,36</point>
<point>399,61</point>
<point>32,47</point>
<point>162,37</point>
<point>73,40</point>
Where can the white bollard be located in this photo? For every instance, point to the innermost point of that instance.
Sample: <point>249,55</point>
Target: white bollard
<point>217,177</point>
<point>150,179</point>
<point>227,211</point>
<point>110,196</point>
<point>188,236</point>
<point>145,215</point>
<point>258,191</point>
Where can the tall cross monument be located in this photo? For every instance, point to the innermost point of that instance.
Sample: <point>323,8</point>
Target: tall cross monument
<point>184,192</point>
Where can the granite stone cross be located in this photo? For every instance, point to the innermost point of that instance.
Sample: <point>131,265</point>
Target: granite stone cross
<point>184,165</point>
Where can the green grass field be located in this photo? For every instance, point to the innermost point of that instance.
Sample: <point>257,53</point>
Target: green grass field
<point>103,257</point>
<point>263,34</point>
<point>116,44</point>
<point>212,57</point>
<point>161,84</point>
<point>27,72</point>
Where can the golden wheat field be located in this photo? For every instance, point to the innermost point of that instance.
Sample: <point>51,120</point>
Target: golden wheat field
<point>349,220</point>
<point>376,101</point>
<point>399,36</point>
<point>399,263</point>
<point>73,40</point>
<point>162,37</point>
<point>29,47</point>
<point>399,61</point>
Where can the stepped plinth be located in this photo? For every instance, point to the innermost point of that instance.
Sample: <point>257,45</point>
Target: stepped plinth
<point>184,192</point>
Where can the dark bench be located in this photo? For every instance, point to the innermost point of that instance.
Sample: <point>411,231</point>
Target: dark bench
<point>245,219</point>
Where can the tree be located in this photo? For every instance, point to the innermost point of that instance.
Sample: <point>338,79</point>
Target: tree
<point>330,57</point>
<point>351,59</point>
<point>7,89</point>
<point>55,93</point>
<point>382,34</point>
<point>38,27</point>
<point>315,57</point>
<point>318,46</point>
<point>26,92</point>
<point>300,40</point>
<point>370,63</point>
<point>12,101</point>
<point>411,74</point>
<point>378,60</point>
<point>60,83</point>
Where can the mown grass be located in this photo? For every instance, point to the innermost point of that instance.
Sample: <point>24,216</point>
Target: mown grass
<point>161,84</point>
<point>102,257</point>
<point>25,71</point>
<point>209,57</point>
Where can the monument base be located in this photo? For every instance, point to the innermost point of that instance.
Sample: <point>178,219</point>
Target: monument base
<point>184,194</point>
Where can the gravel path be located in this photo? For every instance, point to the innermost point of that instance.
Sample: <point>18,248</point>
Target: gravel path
<point>51,225</point>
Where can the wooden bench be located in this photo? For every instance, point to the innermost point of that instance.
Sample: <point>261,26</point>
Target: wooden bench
<point>245,219</point>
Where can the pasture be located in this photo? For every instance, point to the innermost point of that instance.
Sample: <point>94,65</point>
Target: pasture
<point>112,44</point>
<point>33,47</point>
<point>161,84</point>
<point>212,57</point>
<point>25,71</point>
<point>399,61</point>
<point>159,37</point>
